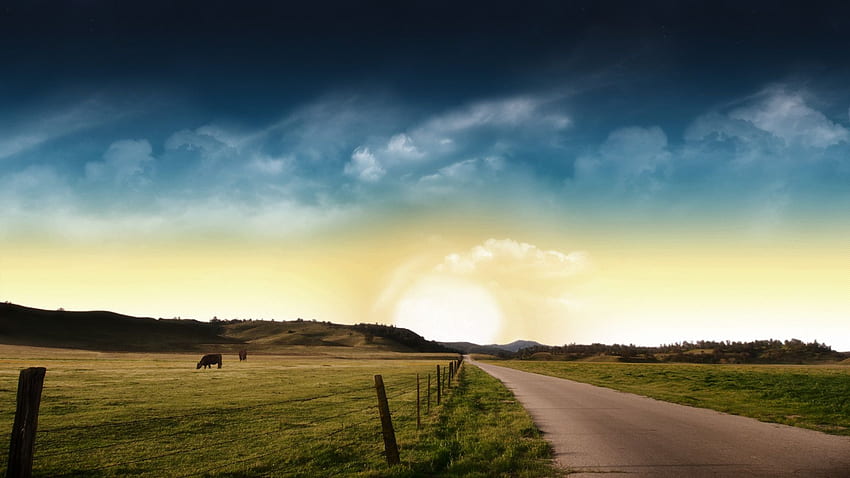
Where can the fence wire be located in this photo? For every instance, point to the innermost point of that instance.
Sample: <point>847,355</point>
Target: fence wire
<point>206,412</point>
<point>400,395</point>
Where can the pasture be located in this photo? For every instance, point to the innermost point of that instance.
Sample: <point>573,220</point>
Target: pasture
<point>808,396</point>
<point>128,414</point>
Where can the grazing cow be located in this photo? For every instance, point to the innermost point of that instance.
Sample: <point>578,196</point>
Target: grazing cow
<point>208,360</point>
<point>243,355</point>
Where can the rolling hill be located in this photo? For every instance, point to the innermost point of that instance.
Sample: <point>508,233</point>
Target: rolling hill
<point>109,331</point>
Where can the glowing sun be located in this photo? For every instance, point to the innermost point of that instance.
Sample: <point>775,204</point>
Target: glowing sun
<point>449,310</point>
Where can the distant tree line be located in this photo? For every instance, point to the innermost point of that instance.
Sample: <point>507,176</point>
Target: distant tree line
<point>703,351</point>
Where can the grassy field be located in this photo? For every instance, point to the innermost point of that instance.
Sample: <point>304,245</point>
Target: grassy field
<point>806,396</point>
<point>120,414</point>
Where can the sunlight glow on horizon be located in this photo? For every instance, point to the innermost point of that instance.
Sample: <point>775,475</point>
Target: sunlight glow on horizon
<point>449,310</point>
<point>589,289</point>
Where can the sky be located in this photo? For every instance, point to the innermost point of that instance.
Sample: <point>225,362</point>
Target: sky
<point>566,172</point>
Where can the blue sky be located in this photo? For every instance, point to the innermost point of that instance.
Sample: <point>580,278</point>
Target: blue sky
<point>773,151</point>
<point>656,122</point>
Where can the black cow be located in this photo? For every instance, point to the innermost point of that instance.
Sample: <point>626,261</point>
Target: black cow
<point>243,355</point>
<point>208,360</point>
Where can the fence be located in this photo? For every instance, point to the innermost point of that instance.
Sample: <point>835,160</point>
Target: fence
<point>331,433</point>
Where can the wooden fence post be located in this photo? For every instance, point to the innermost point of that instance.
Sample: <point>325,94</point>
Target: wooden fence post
<point>22,444</point>
<point>449,377</point>
<point>390,445</point>
<point>438,385</point>
<point>418,420</point>
<point>428,401</point>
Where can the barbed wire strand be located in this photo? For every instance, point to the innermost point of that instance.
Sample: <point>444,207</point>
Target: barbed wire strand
<point>281,426</point>
<point>201,412</point>
<point>401,391</point>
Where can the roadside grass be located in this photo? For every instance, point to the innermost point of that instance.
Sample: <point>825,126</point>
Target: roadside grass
<point>482,431</point>
<point>808,396</point>
<point>155,415</point>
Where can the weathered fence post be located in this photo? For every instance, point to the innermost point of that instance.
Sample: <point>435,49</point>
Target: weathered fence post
<point>418,420</point>
<point>438,385</point>
<point>22,444</point>
<point>390,445</point>
<point>428,401</point>
<point>449,377</point>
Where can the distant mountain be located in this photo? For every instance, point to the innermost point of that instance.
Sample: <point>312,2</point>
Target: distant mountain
<point>518,345</point>
<point>501,350</point>
<point>470,348</point>
<point>101,330</point>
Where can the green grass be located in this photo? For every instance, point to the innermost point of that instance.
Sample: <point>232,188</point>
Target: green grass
<point>146,415</point>
<point>482,432</point>
<point>808,396</point>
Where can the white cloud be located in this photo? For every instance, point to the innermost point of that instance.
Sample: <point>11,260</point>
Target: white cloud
<point>364,166</point>
<point>29,132</point>
<point>193,140</point>
<point>437,148</point>
<point>215,146</point>
<point>32,199</point>
<point>14,144</point>
<point>126,161</point>
<point>402,145</point>
<point>631,159</point>
<point>269,166</point>
<point>457,177</point>
<point>460,172</point>
<point>479,128</point>
<point>328,129</point>
<point>516,111</point>
<point>509,257</point>
<point>787,116</point>
<point>37,200</point>
<point>37,184</point>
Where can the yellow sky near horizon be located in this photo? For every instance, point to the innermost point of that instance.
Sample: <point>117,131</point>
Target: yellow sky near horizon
<point>540,285</point>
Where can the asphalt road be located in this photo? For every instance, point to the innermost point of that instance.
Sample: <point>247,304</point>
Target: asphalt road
<point>597,431</point>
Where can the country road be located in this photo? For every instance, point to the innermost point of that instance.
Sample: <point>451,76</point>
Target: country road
<point>597,431</point>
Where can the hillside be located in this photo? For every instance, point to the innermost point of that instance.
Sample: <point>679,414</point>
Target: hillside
<point>109,331</point>
<point>101,330</point>
<point>273,336</point>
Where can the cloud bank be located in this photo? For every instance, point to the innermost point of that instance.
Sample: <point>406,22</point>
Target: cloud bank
<point>768,155</point>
